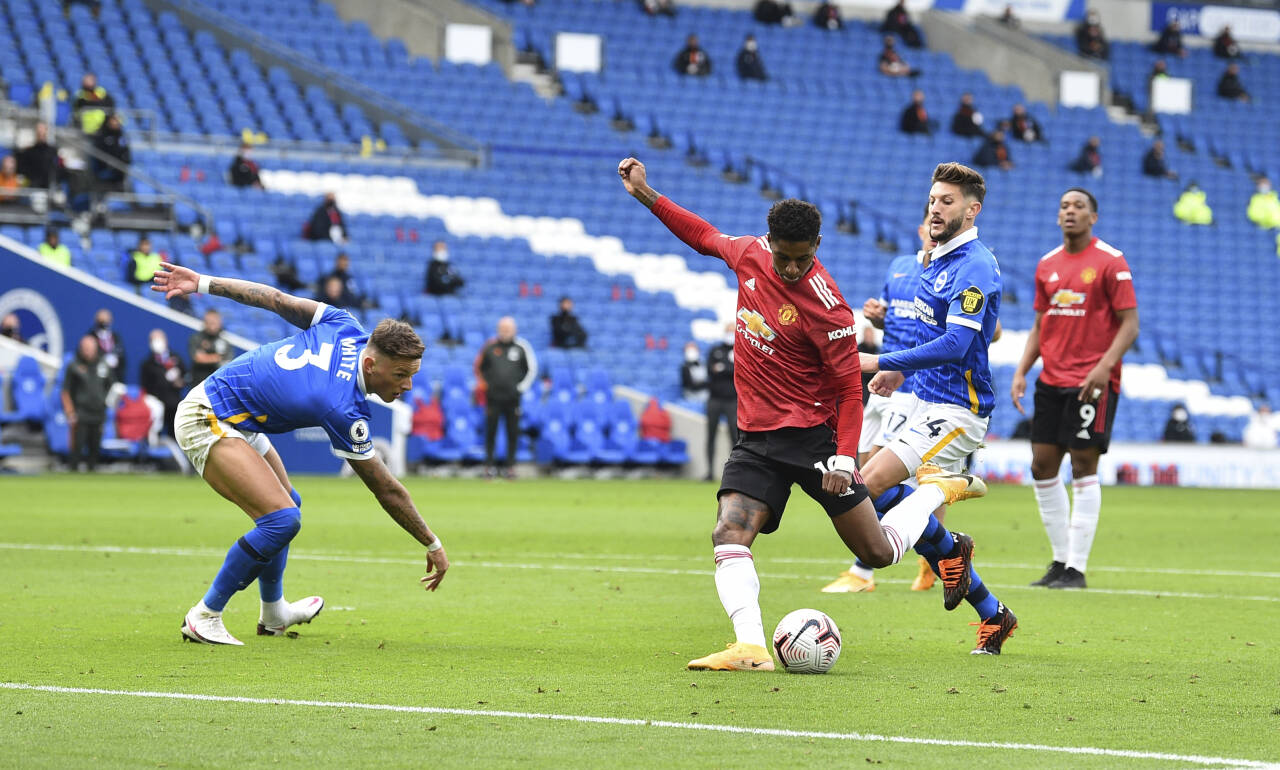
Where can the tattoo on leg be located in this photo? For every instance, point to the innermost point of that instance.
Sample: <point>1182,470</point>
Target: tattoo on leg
<point>741,512</point>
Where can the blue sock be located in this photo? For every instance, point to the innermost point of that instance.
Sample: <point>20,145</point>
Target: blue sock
<point>251,553</point>
<point>982,600</point>
<point>891,497</point>
<point>271,579</point>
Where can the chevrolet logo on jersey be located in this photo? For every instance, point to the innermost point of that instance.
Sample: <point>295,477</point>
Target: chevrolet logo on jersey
<point>1067,298</point>
<point>755,325</point>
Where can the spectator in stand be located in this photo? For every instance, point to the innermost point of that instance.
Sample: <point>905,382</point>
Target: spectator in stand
<point>207,348</point>
<point>1229,85</point>
<point>967,121</point>
<point>1192,207</point>
<point>11,327</point>
<point>1010,19</point>
<point>327,222</point>
<point>1224,45</point>
<point>1091,42</point>
<point>692,60</point>
<point>1089,161</point>
<point>892,65</point>
<point>915,118</point>
<point>774,12</point>
<point>164,376</point>
<point>566,329</point>
<point>994,152</point>
<point>286,273</point>
<point>1023,127</point>
<point>722,396</point>
<point>9,181</point>
<point>91,105</point>
<point>693,374</point>
<point>1260,433</point>
<point>505,368</point>
<point>898,22</point>
<point>1170,40</point>
<point>1264,206</point>
<point>827,16</point>
<point>1178,428</point>
<point>112,142</point>
<point>350,296</point>
<point>1153,163</point>
<point>750,65</point>
<point>655,422</point>
<point>333,293</point>
<point>53,250</point>
<point>145,263</point>
<point>85,384</point>
<point>244,171</point>
<point>442,278</point>
<point>38,163</point>
<point>658,7</point>
<point>110,346</point>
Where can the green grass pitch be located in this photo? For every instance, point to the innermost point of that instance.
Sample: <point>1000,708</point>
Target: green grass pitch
<point>586,599</point>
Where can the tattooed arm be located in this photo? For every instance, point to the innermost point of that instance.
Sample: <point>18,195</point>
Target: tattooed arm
<point>176,281</point>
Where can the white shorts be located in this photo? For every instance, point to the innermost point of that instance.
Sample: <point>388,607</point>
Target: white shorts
<point>897,416</point>
<point>944,434</point>
<point>197,429</point>
<point>872,422</point>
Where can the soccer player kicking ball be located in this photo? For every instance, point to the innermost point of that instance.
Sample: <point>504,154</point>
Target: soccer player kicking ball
<point>321,377</point>
<point>957,304</point>
<point>1086,318</point>
<point>796,373</point>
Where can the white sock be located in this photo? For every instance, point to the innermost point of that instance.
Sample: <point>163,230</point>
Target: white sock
<point>906,522</point>
<point>739,589</point>
<point>866,573</point>
<point>1055,511</point>
<point>1086,503</point>
<point>202,607</point>
<point>274,610</point>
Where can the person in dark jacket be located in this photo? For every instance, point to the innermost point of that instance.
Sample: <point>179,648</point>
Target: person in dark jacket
<point>504,368</point>
<point>207,348</point>
<point>442,278</point>
<point>85,385</point>
<point>1225,46</point>
<point>244,171</point>
<point>112,142</point>
<point>1153,163</point>
<point>915,118</point>
<point>91,104</point>
<point>967,121</point>
<point>1170,40</point>
<point>994,152</point>
<point>693,374</point>
<point>164,376</point>
<point>348,296</point>
<point>722,396</point>
<point>892,65</point>
<point>39,162</point>
<point>773,12</point>
<point>1229,85</point>
<point>1178,429</point>
<point>1023,127</point>
<point>750,65</point>
<point>566,329</point>
<point>692,60</point>
<point>110,345</point>
<point>898,22</point>
<point>1089,161</point>
<point>326,222</point>
<point>1091,42</point>
<point>827,16</point>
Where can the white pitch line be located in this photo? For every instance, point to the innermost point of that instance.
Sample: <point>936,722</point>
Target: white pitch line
<point>621,721</point>
<point>612,569</point>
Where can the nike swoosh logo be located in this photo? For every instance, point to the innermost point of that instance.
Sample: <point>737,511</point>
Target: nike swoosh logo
<point>754,664</point>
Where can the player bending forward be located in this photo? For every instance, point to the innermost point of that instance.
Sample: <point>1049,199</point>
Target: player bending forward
<point>318,378</point>
<point>957,304</point>
<point>1086,318</point>
<point>796,373</point>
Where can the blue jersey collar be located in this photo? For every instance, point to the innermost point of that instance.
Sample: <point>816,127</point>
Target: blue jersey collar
<point>944,249</point>
<point>360,371</point>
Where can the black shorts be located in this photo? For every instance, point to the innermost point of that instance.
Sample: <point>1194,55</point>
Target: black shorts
<point>1063,420</point>
<point>764,465</point>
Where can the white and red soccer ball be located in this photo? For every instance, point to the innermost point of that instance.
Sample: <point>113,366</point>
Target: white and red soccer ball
<point>807,642</point>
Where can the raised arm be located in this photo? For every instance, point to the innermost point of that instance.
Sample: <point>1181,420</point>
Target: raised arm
<point>175,281</point>
<point>695,231</point>
<point>395,500</point>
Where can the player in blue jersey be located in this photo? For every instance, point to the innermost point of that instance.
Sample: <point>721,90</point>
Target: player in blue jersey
<point>321,377</point>
<point>957,303</point>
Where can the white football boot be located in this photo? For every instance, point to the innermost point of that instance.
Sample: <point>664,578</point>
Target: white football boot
<point>276,617</point>
<point>203,625</point>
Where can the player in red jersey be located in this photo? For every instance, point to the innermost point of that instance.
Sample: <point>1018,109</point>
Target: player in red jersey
<point>798,377</point>
<point>1086,318</point>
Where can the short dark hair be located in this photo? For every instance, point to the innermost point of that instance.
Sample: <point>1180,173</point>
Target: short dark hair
<point>795,220</point>
<point>969,181</point>
<point>1093,202</point>
<point>397,339</point>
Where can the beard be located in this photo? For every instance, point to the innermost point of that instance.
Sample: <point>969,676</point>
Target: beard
<point>949,229</point>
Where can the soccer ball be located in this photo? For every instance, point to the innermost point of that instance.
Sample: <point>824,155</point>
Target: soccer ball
<point>807,642</point>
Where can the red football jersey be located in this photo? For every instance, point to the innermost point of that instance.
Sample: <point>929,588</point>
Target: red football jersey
<point>796,358</point>
<point>1079,295</point>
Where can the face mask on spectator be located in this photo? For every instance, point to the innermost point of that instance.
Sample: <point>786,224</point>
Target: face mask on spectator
<point>442,255</point>
<point>159,347</point>
<point>728,338</point>
<point>691,354</point>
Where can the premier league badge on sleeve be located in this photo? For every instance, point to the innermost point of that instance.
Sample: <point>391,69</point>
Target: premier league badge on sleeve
<point>360,431</point>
